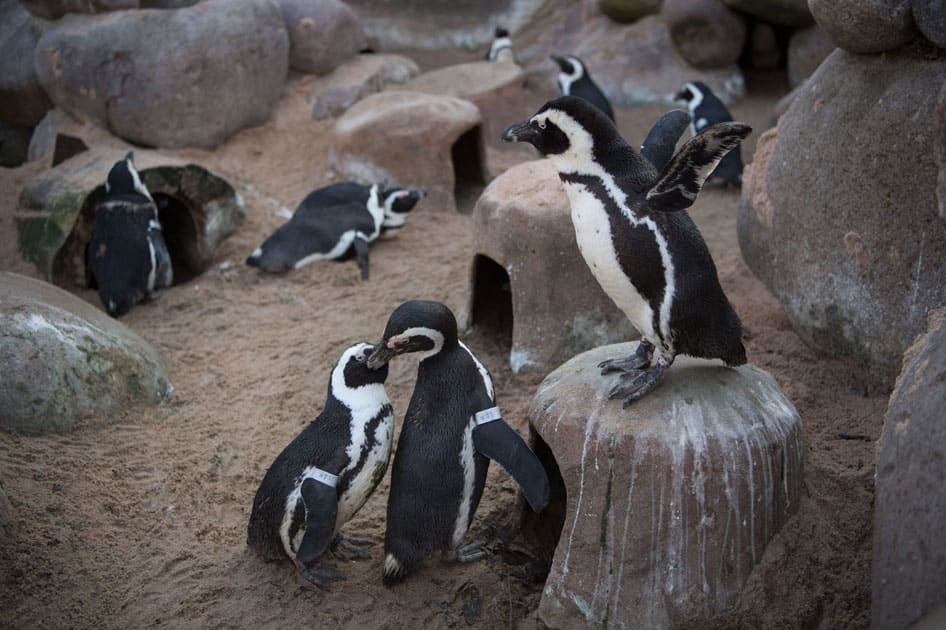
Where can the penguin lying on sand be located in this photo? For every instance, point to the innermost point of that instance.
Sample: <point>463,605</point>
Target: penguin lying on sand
<point>574,80</point>
<point>707,110</point>
<point>636,238</point>
<point>127,259</point>
<point>324,476</point>
<point>450,432</point>
<point>335,223</point>
<point>501,48</point>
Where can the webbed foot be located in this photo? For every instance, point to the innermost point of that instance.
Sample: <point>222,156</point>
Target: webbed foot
<point>635,362</point>
<point>636,384</point>
<point>472,550</point>
<point>350,547</point>
<point>320,574</point>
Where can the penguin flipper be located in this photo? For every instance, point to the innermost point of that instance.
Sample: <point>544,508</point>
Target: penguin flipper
<point>361,250</point>
<point>662,138</point>
<point>497,441</point>
<point>321,509</point>
<point>683,178</point>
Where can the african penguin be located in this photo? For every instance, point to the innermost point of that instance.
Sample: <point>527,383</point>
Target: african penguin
<point>501,48</point>
<point>707,110</point>
<point>451,430</point>
<point>127,259</point>
<point>636,238</point>
<point>335,223</point>
<point>574,80</point>
<point>324,476</point>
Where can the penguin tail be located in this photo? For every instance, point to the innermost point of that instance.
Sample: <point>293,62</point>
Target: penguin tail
<point>394,570</point>
<point>253,261</point>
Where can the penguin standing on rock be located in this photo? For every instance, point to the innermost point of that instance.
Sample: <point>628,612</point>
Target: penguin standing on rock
<point>707,110</point>
<point>501,48</point>
<point>574,80</point>
<point>450,432</point>
<point>634,234</point>
<point>127,259</point>
<point>324,476</point>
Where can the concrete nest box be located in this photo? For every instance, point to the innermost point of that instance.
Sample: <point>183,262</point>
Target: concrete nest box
<point>530,286</point>
<point>56,213</point>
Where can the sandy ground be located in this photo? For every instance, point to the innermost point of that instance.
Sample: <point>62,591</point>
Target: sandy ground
<point>139,519</point>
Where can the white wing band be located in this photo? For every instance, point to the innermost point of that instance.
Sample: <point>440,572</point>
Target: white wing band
<point>487,415</point>
<point>324,477</point>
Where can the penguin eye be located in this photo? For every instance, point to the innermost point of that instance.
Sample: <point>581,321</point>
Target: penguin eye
<point>541,124</point>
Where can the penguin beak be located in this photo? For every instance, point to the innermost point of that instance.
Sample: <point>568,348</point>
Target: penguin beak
<point>380,357</point>
<point>520,132</point>
<point>561,63</point>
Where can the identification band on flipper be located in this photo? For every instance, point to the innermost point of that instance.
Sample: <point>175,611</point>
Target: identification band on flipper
<point>487,415</point>
<point>323,476</point>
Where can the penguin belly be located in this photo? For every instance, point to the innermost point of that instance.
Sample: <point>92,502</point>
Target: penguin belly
<point>366,468</point>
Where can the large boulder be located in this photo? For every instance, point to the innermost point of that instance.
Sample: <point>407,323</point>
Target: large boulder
<point>65,360</point>
<point>356,78</point>
<point>55,9</point>
<point>781,12</point>
<point>940,146</point>
<point>22,99</point>
<point>433,142</point>
<point>169,78</point>
<point>930,18</point>
<point>322,34</point>
<point>669,504</point>
<point>629,10</point>
<point>909,565</point>
<point>866,26</point>
<point>542,294</point>
<point>705,32</point>
<point>855,253</point>
<point>807,48</point>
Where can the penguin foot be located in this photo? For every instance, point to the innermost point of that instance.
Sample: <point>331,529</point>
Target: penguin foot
<point>636,384</point>
<point>320,574</point>
<point>632,363</point>
<point>350,547</point>
<point>471,551</point>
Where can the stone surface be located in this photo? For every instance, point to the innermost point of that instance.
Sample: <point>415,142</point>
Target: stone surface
<point>705,32</point>
<point>434,142</point>
<point>557,307</point>
<point>909,568</point>
<point>322,34</point>
<point>866,26</point>
<point>939,144</point>
<point>64,360</point>
<point>7,517</point>
<point>764,50</point>
<point>856,253</point>
<point>807,48</point>
<point>150,77</point>
<point>629,10</point>
<point>930,18</point>
<point>55,215</point>
<point>22,99</point>
<point>55,9</point>
<point>497,88</point>
<point>353,80</point>
<point>781,12</point>
<point>669,503</point>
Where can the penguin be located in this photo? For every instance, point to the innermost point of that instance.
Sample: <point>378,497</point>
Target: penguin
<point>706,110</point>
<point>451,430</point>
<point>661,141</point>
<point>574,80</point>
<point>324,476</point>
<point>637,239</point>
<point>501,48</point>
<point>127,259</point>
<point>335,223</point>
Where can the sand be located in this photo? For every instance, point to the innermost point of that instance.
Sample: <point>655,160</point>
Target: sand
<point>139,519</point>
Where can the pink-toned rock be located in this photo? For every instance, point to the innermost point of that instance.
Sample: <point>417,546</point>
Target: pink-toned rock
<point>356,78</point>
<point>705,32</point>
<point>322,34</point>
<point>807,48</point>
<point>670,503</point>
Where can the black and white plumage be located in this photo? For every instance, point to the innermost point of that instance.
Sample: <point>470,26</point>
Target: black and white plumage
<point>451,430</point>
<point>127,259</point>
<point>707,110</point>
<point>501,47</point>
<point>297,511</point>
<point>636,238</point>
<point>336,222</point>
<point>574,80</point>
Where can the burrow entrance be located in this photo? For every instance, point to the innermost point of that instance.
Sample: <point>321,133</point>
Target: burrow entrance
<point>491,308</point>
<point>469,169</point>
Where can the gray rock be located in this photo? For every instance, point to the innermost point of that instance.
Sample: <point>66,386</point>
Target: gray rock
<point>22,99</point>
<point>930,17</point>
<point>807,48</point>
<point>557,307</point>
<point>855,253</point>
<point>14,144</point>
<point>322,34</point>
<point>629,10</point>
<point>151,77</point>
<point>353,80</point>
<point>433,142</point>
<point>909,568</point>
<point>677,495</point>
<point>65,360</point>
<point>939,144</point>
<point>55,9</point>
<point>705,32</point>
<point>55,216</point>
<point>7,517</point>
<point>866,26</point>
<point>782,12</point>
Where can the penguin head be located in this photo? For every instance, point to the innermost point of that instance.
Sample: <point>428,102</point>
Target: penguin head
<point>421,326</point>
<point>352,367</point>
<point>123,179</point>
<point>570,66</point>
<point>692,94</point>
<point>397,203</point>
<point>501,46</point>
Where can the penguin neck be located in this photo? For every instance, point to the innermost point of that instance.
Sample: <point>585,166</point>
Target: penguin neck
<point>359,397</point>
<point>376,210</point>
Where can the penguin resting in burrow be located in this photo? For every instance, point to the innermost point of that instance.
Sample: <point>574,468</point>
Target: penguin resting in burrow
<point>707,110</point>
<point>336,223</point>
<point>324,476</point>
<point>501,47</point>
<point>637,239</point>
<point>574,80</point>
<point>451,430</point>
<point>127,259</point>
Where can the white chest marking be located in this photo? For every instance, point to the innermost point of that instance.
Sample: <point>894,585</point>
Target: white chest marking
<point>468,467</point>
<point>340,248</point>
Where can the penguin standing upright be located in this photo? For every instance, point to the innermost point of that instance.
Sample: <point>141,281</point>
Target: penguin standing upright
<point>324,476</point>
<point>451,430</point>
<point>574,80</point>
<point>636,238</point>
<point>707,110</point>
<point>127,259</point>
<point>501,48</point>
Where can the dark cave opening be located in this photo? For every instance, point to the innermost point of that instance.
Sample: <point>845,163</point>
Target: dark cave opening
<point>179,225</point>
<point>491,310</point>
<point>542,530</point>
<point>468,157</point>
